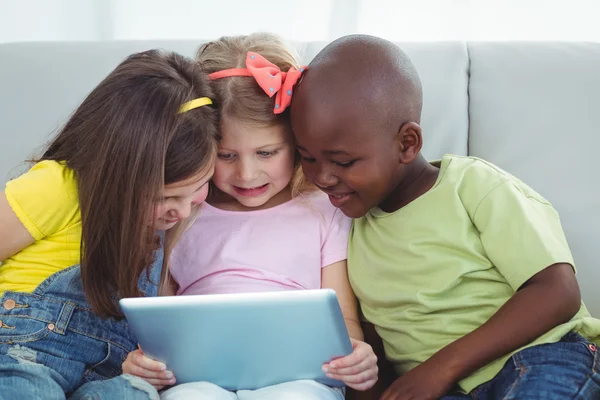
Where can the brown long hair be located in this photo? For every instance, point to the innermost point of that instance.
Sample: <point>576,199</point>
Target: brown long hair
<point>240,97</point>
<point>124,143</point>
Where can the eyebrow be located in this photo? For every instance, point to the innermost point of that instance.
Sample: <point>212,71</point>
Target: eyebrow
<point>204,182</point>
<point>329,152</point>
<point>270,145</point>
<point>257,148</point>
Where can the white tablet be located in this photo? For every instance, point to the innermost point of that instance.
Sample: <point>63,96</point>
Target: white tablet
<point>242,341</point>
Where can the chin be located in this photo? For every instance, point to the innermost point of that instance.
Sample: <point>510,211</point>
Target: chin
<point>252,203</point>
<point>163,226</point>
<point>354,212</point>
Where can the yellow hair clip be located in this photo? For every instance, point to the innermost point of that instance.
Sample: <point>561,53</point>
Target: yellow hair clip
<point>190,105</point>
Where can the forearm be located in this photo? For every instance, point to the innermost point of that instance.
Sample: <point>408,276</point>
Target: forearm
<point>335,276</point>
<point>354,329</point>
<point>548,299</point>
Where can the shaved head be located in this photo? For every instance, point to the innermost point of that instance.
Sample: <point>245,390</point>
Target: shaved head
<point>362,77</point>
<point>355,116</point>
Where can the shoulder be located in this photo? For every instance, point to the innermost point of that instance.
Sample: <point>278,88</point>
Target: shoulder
<point>51,180</point>
<point>470,170</point>
<point>480,181</point>
<point>45,198</point>
<point>473,178</point>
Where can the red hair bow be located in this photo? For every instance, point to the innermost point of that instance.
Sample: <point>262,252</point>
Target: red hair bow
<point>269,77</point>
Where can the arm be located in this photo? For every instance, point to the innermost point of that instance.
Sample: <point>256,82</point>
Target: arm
<point>549,298</point>
<point>335,276</point>
<point>14,237</point>
<point>523,238</point>
<point>359,369</point>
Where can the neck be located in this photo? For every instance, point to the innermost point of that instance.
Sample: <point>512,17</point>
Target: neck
<point>419,177</point>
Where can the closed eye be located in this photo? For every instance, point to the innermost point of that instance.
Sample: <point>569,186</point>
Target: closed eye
<point>308,159</point>
<point>266,154</point>
<point>344,164</point>
<point>226,156</point>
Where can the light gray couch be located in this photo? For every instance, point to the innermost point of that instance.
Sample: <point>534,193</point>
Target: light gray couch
<point>531,108</point>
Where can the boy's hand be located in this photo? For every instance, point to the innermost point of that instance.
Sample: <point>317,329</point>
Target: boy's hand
<point>153,372</point>
<point>358,370</point>
<point>423,382</point>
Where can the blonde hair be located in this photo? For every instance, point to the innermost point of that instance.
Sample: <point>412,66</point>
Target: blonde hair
<point>240,97</point>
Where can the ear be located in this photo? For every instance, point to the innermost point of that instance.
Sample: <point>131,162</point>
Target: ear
<point>410,142</point>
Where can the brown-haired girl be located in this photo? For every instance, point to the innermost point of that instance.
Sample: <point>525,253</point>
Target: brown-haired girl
<point>79,230</point>
<point>263,227</point>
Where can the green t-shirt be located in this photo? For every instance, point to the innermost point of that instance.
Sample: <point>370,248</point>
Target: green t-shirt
<point>440,267</point>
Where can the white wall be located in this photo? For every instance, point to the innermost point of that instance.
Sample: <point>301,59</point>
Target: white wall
<point>485,20</point>
<point>403,20</point>
<point>74,20</point>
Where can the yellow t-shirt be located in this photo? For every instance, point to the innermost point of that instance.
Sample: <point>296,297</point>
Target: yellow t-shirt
<point>438,268</point>
<point>46,202</point>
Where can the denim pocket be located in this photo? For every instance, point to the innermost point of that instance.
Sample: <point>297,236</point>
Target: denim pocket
<point>572,349</point>
<point>579,344</point>
<point>109,367</point>
<point>16,329</point>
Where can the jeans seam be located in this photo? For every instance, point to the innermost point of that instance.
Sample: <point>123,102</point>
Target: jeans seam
<point>9,339</point>
<point>45,284</point>
<point>35,318</point>
<point>43,298</point>
<point>522,371</point>
<point>589,376</point>
<point>27,317</point>
<point>33,337</point>
<point>100,339</point>
<point>108,354</point>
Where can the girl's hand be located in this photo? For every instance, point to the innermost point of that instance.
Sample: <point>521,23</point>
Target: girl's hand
<point>153,372</point>
<point>358,370</point>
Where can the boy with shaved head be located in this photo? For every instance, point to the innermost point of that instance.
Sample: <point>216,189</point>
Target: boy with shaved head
<point>463,269</point>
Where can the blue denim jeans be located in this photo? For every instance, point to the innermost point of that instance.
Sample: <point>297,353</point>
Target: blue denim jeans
<point>568,369</point>
<point>51,343</point>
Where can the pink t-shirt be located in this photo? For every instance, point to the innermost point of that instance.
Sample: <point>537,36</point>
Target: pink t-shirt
<point>280,248</point>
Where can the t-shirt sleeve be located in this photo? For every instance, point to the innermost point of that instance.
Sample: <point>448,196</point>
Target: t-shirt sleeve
<point>520,231</point>
<point>44,198</point>
<point>335,244</point>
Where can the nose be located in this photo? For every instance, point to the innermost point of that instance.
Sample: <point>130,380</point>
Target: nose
<point>246,170</point>
<point>182,210</point>
<point>323,177</point>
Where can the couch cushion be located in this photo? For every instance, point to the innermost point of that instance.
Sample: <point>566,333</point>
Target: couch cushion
<point>534,112</point>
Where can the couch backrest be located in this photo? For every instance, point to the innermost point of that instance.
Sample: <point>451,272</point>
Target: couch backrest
<point>530,108</point>
<point>42,83</point>
<point>534,110</point>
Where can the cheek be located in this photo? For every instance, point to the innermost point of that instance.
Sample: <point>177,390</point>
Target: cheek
<point>159,211</point>
<point>282,167</point>
<point>201,195</point>
<point>371,180</point>
<point>360,178</point>
<point>308,169</point>
<point>222,171</point>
